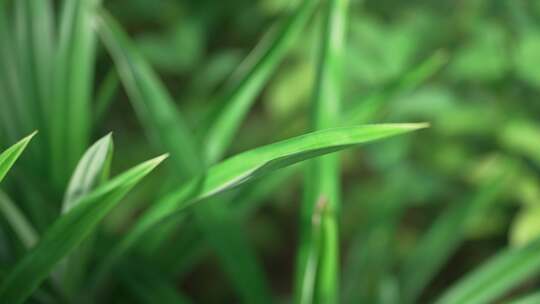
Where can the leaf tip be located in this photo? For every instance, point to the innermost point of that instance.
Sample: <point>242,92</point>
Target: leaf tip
<point>28,138</point>
<point>419,125</point>
<point>158,160</point>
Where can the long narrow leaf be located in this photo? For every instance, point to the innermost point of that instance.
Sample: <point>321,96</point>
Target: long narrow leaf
<point>171,131</point>
<point>366,111</point>
<point>322,176</point>
<point>34,50</point>
<point>74,72</point>
<point>496,277</point>
<point>68,232</point>
<point>251,164</point>
<point>443,238</point>
<point>13,119</point>
<point>91,171</point>
<point>153,104</point>
<point>8,157</point>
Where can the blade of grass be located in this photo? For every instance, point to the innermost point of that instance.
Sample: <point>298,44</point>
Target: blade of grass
<point>495,277</point>
<point>323,174</point>
<point>306,289</point>
<point>249,165</point>
<point>68,232</point>
<point>245,203</point>
<point>153,104</point>
<point>9,156</point>
<point>368,108</point>
<point>9,111</point>
<point>134,70</point>
<point>74,74</point>
<point>444,237</point>
<point>251,77</point>
<point>34,49</point>
<point>91,171</point>
<point>237,98</point>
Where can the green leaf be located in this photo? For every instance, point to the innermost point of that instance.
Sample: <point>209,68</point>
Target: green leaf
<point>9,156</point>
<point>33,50</point>
<point>444,237</point>
<point>13,119</point>
<point>91,171</point>
<point>251,164</point>
<point>237,257</point>
<point>68,232</point>
<point>322,180</point>
<point>74,74</point>
<point>156,110</point>
<point>153,104</point>
<point>250,78</point>
<point>150,286</point>
<point>258,162</point>
<point>496,277</point>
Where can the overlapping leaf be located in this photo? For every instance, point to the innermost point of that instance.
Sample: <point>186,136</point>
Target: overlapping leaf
<point>68,232</point>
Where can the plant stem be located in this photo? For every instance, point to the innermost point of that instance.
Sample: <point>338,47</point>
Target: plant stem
<point>322,180</point>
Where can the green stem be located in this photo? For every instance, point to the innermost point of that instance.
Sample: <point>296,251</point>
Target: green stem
<point>322,180</point>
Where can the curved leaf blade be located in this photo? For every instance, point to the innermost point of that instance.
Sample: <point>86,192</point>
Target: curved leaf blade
<point>250,78</point>
<point>68,232</point>
<point>251,164</point>
<point>74,73</point>
<point>9,156</point>
<point>152,102</point>
<point>91,171</point>
<point>444,237</point>
<point>496,277</point>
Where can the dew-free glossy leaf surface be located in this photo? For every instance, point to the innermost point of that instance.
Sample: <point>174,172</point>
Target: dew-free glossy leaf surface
<point>67,232</point>
<point>9,156</point>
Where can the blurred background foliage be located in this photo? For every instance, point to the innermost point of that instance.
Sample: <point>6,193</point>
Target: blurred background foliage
<point>481,105</point>
<point>483,145</point>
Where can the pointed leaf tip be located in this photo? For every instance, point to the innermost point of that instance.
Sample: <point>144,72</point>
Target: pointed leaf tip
<point>29,137</point>
<point>157,160</point>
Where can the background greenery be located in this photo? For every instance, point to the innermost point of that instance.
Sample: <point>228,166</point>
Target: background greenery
<point>418,212</point>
